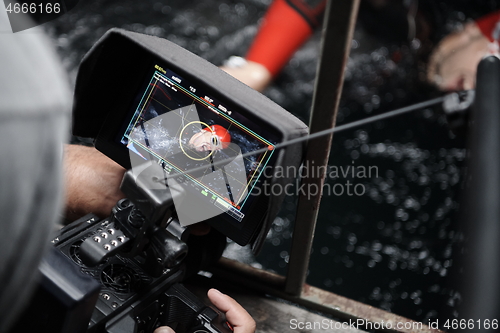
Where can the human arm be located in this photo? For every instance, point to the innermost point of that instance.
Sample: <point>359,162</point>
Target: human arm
<point>92,182</point>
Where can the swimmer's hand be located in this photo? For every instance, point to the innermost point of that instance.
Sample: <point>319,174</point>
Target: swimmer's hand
<point>251,73</point>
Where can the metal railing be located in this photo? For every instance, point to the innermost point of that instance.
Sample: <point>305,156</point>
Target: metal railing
<point>338,28</point>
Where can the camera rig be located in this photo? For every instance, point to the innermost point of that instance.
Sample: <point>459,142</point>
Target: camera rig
<point>141,224</point>
<point>151,103</point>
<point>155,111</point>
<point>139,255</point>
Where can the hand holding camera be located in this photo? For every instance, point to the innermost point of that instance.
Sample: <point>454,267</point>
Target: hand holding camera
<point>236,315</point>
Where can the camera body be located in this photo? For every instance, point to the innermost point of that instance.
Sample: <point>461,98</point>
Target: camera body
<point>138,257</point>
<point>190,136</point>
<point>131,299</point>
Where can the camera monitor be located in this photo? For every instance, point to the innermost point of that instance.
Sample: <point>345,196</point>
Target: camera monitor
<point>146,99</point>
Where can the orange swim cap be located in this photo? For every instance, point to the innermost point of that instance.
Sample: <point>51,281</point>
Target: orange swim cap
<point>221,134</point>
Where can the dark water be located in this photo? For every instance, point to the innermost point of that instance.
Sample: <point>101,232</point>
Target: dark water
<point>392,246</point>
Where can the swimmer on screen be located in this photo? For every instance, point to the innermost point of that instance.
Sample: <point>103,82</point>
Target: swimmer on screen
<point>210,138</point>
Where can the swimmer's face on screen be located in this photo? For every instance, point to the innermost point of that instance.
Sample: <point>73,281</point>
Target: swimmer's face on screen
<point>210,138</point>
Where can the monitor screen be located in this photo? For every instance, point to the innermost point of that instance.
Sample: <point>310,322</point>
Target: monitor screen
<point>146,99</point>
<point>202,143</point>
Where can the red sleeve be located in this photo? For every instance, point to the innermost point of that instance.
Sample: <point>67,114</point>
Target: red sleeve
<point>488,23</point>
<point>286,26</point>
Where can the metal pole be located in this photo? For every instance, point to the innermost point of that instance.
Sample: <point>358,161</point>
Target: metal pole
<point>479,209</point>
<point>338,29</point>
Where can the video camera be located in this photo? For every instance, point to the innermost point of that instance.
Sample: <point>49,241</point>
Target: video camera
<point>198,146</point>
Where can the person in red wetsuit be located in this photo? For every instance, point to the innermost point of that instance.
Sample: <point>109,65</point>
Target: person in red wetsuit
<point>289,23</point>
<point>286,26</point>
